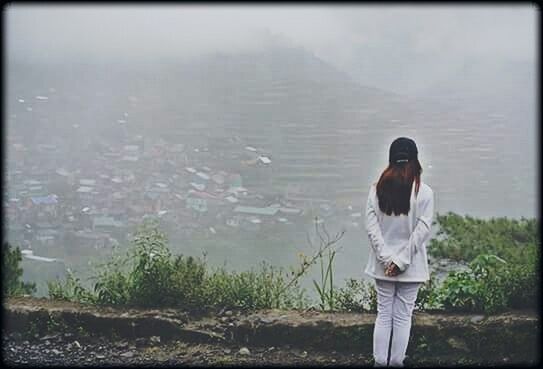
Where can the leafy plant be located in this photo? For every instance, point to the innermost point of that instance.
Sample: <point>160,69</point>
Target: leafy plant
<point>326,287</point>
<point>112,288</point>
<point>428,297</point>
<point>151,277</point>
<point>486,286</point>
<point>70,290</point>
<point>503,254</point>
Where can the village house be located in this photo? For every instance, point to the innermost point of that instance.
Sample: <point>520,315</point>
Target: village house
<point>107,225</point>
<point>90,239</point>
<point>44,206</point>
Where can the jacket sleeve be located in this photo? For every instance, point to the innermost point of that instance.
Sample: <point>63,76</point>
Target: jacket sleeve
<point>373,228</point>
<point>421,233</point>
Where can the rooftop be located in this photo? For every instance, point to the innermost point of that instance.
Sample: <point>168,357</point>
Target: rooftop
<point>87,182</point>
<point>106,222</point>
<point>255,210</point>
<point>39,258</point>
<point>45,200</point>
<point>84,189</point>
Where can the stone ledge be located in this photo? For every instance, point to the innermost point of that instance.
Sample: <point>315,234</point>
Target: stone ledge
<point>432,334</point>
<point>514,334</point>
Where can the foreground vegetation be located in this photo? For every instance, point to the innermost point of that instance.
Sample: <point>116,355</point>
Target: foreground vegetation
<point>12,273</point>
<point>502,255</point>
<point>148,275</point>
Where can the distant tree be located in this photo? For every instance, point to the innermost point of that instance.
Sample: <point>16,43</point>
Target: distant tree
<point>12,273</point>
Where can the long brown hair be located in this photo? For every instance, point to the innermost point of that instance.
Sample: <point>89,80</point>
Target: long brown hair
<point>395,185</point>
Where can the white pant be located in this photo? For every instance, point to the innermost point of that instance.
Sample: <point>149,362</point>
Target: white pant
<point>395,304</point>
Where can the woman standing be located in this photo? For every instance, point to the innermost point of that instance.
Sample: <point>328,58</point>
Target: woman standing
<point>399,215</point>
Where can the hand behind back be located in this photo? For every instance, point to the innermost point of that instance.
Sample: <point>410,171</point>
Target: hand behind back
<point>392,270</point>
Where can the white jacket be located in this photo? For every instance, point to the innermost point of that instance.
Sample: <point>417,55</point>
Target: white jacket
<point>400,239</point>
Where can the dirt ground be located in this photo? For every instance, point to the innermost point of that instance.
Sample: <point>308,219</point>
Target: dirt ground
<point>71,350</point>
<point>210,342</point>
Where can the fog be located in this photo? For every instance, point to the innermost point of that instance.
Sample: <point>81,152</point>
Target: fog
<point>403,49</point>
<point>234,126</point>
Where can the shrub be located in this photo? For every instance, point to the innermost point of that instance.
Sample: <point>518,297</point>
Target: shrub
<point>464,238</point>
<point>491,285</point>
<point>523,287</point>
<point>150,276</point>
<point>152,271</point>
<point>503,254</point>
<point>188,280</point>
<point>357,296</point>
<point>70,290</point>
<point>12,273</point>
<point>428,297</point>
<point>522,281</point>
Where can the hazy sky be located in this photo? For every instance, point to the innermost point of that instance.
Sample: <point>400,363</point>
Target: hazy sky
<point>349,37</point>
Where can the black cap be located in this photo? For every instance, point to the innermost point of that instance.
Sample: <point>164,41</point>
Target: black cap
<point>402,150</point>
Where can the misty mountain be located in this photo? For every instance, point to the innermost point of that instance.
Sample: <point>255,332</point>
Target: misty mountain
<point>309,116</point>
<point>491,86</point>
<point>183,83</point>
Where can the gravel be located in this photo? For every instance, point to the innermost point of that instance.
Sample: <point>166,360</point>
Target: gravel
<point>93,351</point>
